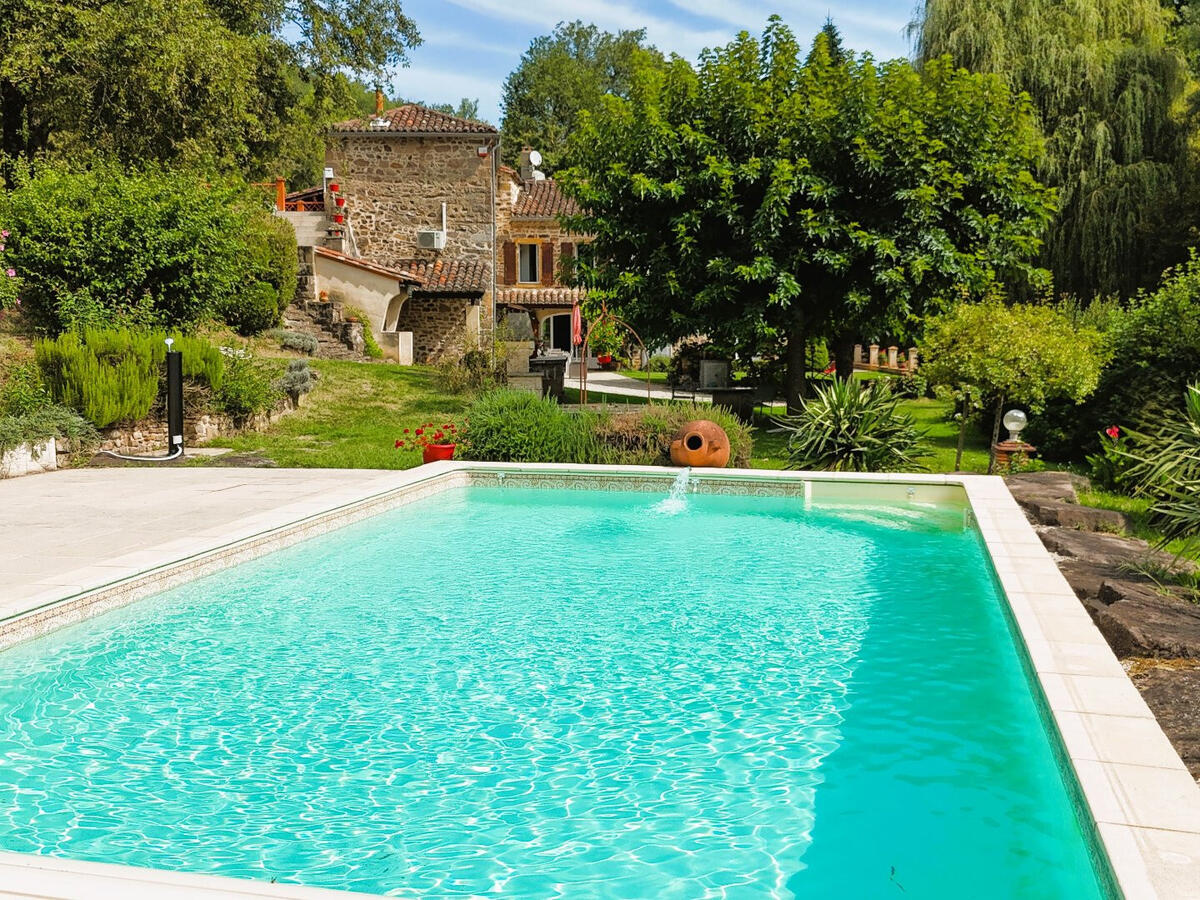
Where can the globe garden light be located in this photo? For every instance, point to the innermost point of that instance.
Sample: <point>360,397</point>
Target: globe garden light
<point>1015,421</point>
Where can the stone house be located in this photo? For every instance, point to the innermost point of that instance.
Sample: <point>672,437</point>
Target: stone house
<point>419,226</point>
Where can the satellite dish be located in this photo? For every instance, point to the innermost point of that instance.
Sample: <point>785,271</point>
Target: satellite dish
<point>535,158</point>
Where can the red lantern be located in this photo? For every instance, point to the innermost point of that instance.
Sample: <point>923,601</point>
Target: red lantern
<point>341,201</point>
<point>333,187</point>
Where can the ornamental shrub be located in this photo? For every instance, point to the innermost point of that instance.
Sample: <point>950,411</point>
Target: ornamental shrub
<point>115,375</point>
<point>518,426</point>
<point>247,388</point>
<point>846,428</point>
<point>145,249</point>
<point>642,435</point>
<point>254,310</point>
<point>43,423</point>
<point>295,340</point>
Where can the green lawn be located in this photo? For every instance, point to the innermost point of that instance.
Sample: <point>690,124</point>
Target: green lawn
<point>352,418</point>
<point>357,411</point>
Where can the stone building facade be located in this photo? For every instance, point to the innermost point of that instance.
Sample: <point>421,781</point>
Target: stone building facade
<point>411,170</point>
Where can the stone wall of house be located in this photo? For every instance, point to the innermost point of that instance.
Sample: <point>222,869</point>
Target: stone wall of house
<point>395,185</point>
<point>441,326</point>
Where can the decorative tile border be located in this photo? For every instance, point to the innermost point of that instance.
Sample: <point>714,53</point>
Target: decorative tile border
<point>1139,798</point>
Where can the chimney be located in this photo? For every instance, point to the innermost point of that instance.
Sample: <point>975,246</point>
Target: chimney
<point>526,163</point>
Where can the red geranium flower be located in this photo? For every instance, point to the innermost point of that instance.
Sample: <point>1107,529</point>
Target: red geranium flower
<point>1113,431</point>
<point>399,444</point>
<point>420,431</point>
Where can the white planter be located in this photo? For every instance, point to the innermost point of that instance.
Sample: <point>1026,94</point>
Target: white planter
<point>29,459</point>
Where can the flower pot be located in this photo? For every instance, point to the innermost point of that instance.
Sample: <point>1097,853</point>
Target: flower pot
<point>604,359</point>
<point>333,187</point>
<point>339,218</point>
<point>340,201</point>
<point>433,452</point>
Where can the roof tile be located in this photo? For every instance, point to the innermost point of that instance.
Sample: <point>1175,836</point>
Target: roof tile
<point>413,119</point>
<point>543,200</point>
<point>448,276</point>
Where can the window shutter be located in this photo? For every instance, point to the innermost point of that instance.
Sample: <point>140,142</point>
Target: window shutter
<point>547,255</point>
<point>566,260</point>
<point>510,263</point>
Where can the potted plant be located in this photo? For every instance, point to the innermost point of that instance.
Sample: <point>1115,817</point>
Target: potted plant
<point>334,187</point>
<point>339,218</point>
<point>604,341</point>
<point>340,201</point>
<point>435,441</point>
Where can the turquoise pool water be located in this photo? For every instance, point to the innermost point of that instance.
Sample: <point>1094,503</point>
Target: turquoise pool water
<point>542,694</point>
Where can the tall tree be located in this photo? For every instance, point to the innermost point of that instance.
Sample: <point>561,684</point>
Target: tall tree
<point>763,200</point>
<point>561,75</point>
<point>1108,86</point>
<point>223,84</point>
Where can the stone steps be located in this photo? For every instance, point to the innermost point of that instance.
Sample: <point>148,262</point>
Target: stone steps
<point>329,346</point>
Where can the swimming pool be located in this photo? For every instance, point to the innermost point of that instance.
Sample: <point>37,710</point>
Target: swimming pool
<point>561,692</point>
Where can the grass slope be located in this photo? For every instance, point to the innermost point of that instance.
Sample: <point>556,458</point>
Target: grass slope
<point>353,417</point>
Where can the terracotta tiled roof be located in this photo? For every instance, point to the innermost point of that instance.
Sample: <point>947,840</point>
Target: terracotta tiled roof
<point>539,296</point>
<point>413,119</point>
<point>449,276</point>
<point>543,200</point>
<point>400,273</point>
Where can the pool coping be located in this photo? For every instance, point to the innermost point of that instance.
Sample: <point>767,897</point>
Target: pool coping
<point>1144,805</point>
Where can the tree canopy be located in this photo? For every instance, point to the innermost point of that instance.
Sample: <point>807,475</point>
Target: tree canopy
<point>764,198</point>
<point>561,75</point>
<point>990,354</point>
<point>223,85</point>
<point>1108,82</point>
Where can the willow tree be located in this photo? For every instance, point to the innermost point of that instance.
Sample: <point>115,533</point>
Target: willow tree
<point>1109,88</point>
<point>764,198</point>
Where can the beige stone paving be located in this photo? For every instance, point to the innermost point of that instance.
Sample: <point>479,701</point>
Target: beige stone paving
<point>77,529</point>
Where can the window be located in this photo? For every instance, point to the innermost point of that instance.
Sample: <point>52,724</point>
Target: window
<point>527,269</point>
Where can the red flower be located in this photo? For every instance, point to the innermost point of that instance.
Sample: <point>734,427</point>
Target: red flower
<point>399,444</point>
<point>420,431</point>
<point>406,431</point>
<point>1113,431</point>
<point>438,437</point>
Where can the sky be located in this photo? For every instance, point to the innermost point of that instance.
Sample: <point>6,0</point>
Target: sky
<point>470,46</point>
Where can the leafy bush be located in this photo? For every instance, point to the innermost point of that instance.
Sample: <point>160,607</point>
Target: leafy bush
<point>42,424</point>
<point>658,364</point>
<point>846,428</point>
<point>247,388</point>
<point>297,380</point>
<point>1154,353</point>
<point>1110,468</point>
<point>23,391</point>
<point>114,375</point>
<point>254,310</point>
<point>518,426</point>
<point>163,249</point>
<point>642,435</point>
<point>271,252</point>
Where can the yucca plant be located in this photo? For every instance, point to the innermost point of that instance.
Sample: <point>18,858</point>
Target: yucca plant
<point>846,428</point>
<point>1168,470</point>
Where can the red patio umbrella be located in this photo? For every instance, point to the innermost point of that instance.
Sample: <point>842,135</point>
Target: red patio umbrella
<point>576,326</point>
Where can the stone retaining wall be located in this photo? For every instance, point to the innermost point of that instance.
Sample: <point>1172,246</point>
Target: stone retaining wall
<point>149,437</point>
